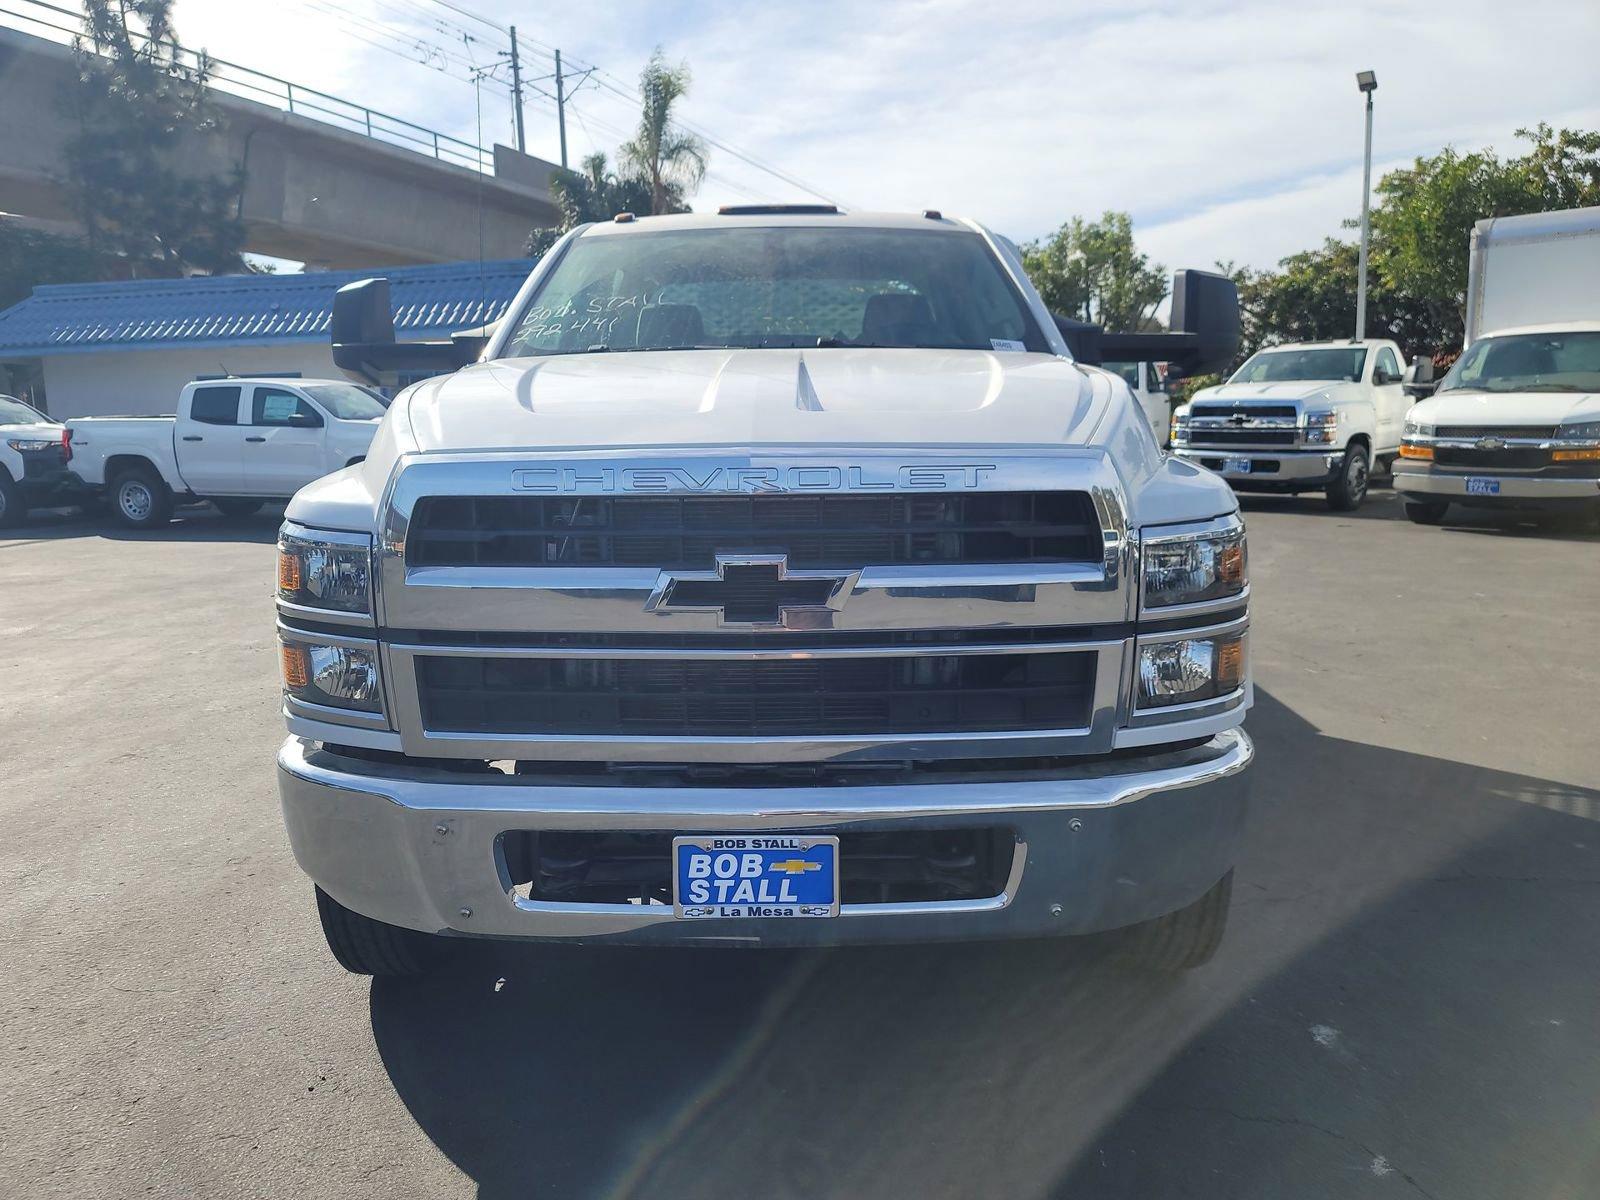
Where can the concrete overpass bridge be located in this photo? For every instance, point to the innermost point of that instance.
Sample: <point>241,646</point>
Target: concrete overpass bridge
<point>328,183</point>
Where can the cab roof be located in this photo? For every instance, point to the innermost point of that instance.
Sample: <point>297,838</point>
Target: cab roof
<point>776,215</point>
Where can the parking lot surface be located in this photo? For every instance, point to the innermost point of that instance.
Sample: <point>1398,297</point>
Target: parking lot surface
<point>1405,1005</point>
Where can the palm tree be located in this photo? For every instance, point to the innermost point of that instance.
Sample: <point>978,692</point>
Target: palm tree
<point>673,160</point>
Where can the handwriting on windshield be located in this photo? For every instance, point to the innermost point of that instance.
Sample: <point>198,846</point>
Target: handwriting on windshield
<point>596,315</point>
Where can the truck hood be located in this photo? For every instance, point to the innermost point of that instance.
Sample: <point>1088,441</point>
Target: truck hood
<point>1278,393</point>
<point>1506,408</point>
<point>837,397</point>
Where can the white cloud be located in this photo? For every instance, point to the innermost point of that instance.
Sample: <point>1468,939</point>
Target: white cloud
<point>1229,130</point>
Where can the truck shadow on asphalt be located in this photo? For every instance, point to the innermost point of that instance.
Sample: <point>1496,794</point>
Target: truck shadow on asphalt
<point>1407,990</point>
<point>191,523</point>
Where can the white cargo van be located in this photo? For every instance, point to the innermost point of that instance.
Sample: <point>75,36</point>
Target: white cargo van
<point>1516,421</point>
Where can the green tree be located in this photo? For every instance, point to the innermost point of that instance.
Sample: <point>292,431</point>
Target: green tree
<point>595,193</point>
<point>1422,225</point>
<point>1092,271</point>
<point>137,103</point>
<point>662,152</point>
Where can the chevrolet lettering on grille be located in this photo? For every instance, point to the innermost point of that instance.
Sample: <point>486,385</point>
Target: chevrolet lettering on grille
<point>755,591</point>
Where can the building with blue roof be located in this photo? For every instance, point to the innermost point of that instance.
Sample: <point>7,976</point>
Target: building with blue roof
<point>100,349</point>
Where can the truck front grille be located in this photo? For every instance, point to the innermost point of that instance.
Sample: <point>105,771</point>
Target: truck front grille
<point>1243,437</point>
<point>688,532</point>
<point>1495,431</point>
<point>1247,411</point>
<point>764,697</point>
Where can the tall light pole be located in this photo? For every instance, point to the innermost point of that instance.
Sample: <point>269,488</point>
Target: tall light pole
<point>1367,81</point>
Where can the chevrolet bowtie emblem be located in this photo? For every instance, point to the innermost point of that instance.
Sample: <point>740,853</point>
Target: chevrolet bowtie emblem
<point>1491,443</point>
<point>795,866</point>
<point>755,590</point>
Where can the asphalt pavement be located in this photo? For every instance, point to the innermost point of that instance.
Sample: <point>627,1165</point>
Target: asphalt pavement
<point>1406,1004</point>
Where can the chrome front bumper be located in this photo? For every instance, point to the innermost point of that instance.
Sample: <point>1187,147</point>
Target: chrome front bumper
<point>1099,846</point>
<point>1288,466</point>
<point>1453,485</point>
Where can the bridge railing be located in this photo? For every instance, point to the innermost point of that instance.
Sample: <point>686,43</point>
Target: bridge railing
<point>44,19</point>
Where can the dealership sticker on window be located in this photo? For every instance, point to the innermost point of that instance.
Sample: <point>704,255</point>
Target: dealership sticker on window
<point>1006,344</point>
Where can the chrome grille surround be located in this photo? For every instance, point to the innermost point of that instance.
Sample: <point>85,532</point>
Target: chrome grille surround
<point>1031,608</point>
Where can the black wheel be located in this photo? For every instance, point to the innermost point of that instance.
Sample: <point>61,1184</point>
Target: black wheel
<point>367,947</point>
<point>1349,489</point>
<point>13,507</point>
<point>1183,939</point>
<point>236,510</point>
<point>1426,512</point>
<point>139,498</point>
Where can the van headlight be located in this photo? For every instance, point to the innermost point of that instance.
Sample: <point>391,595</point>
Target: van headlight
<point>1188,670</point>
<point>331,571</point>
<point>336,676</point>
<point>1186,568</point>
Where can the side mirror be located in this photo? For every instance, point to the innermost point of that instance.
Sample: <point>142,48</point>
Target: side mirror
<point>364,347</point>
<point>1206,304</point>
<point>1418,378</point>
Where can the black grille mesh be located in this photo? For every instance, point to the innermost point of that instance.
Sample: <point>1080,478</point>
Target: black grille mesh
<point>1513,457</point>
<point>1496,431</point>
<point>1242,437</point>
<point>698,697</point>
<point>687,532</point>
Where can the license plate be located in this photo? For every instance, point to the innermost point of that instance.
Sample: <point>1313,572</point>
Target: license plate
<point>1236,466</point>
<point>739,875</point>
<point>1477,485</point>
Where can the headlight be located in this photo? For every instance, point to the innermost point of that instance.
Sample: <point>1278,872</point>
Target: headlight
<point>1578,431</point>
<point>1322,426</point>
<point>1189,567</point>
<point>337,676</point>
<point>1180,426</point>
<point>1190,670</point>
<point>331,571</point>
<point>30,444</point>
<point>1417,429</point>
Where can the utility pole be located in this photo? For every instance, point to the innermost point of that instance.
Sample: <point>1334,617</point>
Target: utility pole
<point>1367,81</point>
<point>561,110</point>
<point>516,90</point>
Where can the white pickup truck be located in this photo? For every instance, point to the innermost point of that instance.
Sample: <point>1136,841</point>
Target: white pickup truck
<point>234,442</point>
<point>1516,421</point>
<point>1313,416</point>
<point>32,462</point>
<point>771,577</point>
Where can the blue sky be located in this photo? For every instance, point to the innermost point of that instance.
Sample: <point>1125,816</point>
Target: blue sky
<point>1228,130</point>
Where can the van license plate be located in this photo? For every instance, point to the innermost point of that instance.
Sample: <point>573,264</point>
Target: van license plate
<point>1236,466</point>
<point>1477,485</point>
<point>765,875</point>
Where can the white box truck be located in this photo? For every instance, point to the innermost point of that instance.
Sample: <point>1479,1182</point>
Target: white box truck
<point>1516,421</point>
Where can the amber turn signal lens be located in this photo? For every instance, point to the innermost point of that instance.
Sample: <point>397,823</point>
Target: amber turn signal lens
<point>288,573</point>
<point>1230,664</point>
<point>1230,566</point>
<point>296,666</point>
<point>1407,450</point>
<point>1576,455</point>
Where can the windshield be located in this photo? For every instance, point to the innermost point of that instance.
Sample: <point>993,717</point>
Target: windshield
<point>15,412</point>
<point>756,287</point>
<point>1283,366</point>
<point>1528,362</point>
<point>345,401</point>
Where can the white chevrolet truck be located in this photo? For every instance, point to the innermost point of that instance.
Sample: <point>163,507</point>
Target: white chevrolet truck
<point>767,578</point>
<point>1313,416</point>
<point>235,442</point>
<point>1515,423</point>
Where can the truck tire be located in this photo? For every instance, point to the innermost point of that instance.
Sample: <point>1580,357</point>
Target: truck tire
<point>1183,939</point>
<point>1426,512</point>
<point>363,946</point>
<point>140,499</point>
<point>237,510</point>
<point>1349,488</point>
<point>13,505</point>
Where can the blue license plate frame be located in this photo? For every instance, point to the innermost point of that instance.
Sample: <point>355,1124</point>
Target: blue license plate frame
<point>738,876</point>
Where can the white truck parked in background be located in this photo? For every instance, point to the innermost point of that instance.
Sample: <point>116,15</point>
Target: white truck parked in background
<point>1516,421</point>
<point>33,468</point>
<point>234,442</point>
<point>1312,416</point>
